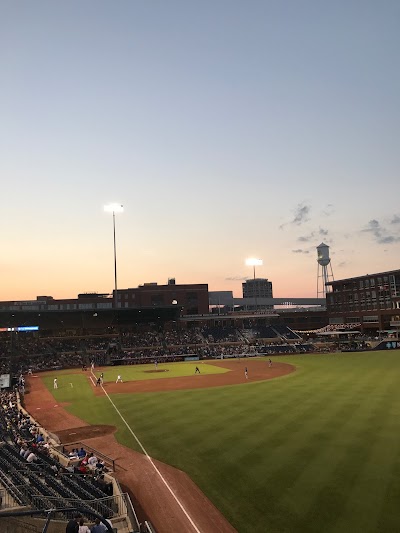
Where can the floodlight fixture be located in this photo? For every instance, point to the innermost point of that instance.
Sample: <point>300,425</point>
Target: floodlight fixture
<point>114,208</point>
<point>252,261</point>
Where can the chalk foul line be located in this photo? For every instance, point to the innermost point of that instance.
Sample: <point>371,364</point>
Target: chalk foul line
<point>152,462</point>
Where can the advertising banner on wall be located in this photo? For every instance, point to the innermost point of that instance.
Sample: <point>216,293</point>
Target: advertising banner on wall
<point>4,381</point>
<point>388,345</point>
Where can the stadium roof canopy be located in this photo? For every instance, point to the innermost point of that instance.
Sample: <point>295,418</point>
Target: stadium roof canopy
<point>88,318</point>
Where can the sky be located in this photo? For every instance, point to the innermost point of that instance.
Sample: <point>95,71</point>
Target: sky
<point>227,129</point>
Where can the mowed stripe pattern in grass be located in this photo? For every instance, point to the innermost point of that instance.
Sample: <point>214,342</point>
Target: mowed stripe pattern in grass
<point>315,451</point>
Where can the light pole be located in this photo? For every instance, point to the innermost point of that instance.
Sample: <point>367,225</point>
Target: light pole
<point>252,261</point>
<point>114,208</point>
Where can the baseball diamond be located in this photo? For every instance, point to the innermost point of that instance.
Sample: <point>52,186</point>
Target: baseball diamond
<point>314,450</point>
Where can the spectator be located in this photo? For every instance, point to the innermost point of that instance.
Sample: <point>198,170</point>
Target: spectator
<point>82,527</point>
<point>92,461</point>
<point>108,522</point>
<point>31,457</point>
<point>73,524</point>
<point>97,528</point>
<point>73,454</point>
<point>81,453</point>
<point>104,485</point>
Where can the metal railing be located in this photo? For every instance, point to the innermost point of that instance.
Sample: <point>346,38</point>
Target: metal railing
<point>109,462</point>
<point>132,516</point>
<point>53,513</point>
<point>112,506</point>
<point>13,496</point>
<point>148,527</point>
<point>7,501</point>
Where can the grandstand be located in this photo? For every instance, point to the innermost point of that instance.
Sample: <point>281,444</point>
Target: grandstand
<point>36,476</point>
<point>74,339</point>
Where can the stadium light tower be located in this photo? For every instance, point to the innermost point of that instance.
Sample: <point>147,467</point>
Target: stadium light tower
<point>252,261</point>
<point>114,208</point>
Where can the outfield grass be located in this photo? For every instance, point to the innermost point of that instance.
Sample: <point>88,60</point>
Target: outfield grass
<point>316,451</point>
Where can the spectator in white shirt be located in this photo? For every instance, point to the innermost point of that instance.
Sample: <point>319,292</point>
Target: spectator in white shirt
<point>82,527</point>
<point>92,461</point>
<point>31,458</point>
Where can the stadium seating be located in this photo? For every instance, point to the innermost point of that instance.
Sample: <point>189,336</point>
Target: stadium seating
<point>286,332</point>
<point>220,334</point>
<point>43,482</point>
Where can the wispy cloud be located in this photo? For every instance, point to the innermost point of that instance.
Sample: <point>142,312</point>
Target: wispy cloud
<point>328,210</point>
<point>395,219</point>
<point>388,239</point>
<point>237,278</point>
<point>323,232</point>
<point>306,238</point>
<point>300,215</point>
<point>300,251</point>
<point>380,233</point>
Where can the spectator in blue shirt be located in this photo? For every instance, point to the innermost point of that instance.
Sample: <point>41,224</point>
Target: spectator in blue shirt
<point>81,453</point>
<point>98,527</point>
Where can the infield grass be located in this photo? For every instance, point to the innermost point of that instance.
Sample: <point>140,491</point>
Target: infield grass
<point>128,373</point>
<point>315,451</point>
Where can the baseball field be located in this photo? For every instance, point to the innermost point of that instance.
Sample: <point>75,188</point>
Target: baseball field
<point>315,450</point>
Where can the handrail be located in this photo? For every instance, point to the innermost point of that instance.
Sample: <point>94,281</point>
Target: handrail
<point>98,454</point>
<point>50,512</point>
<point>132,516</point>
<point>149,527</point>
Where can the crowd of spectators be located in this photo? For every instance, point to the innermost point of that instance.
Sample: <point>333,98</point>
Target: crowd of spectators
<point>99,343</point>
<point>140,339</point>
<point>225,351</point>
<point>143,344</point>
<point>183,337</point>
<point>27,454</point>
<point>4,347</point>
<point>216,334</point>
<point>5,365</point>
<point>49,362</point>
<point>82,462</point>
<point>18,427</point>
<point>275,349</point>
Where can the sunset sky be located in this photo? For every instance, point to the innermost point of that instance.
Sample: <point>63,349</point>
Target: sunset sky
<point>227,129</point>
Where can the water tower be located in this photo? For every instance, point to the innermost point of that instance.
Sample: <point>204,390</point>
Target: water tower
<point>325,272</point>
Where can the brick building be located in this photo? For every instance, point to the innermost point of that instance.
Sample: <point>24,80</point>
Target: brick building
<point>371,302</point>
<point>193,298</point>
